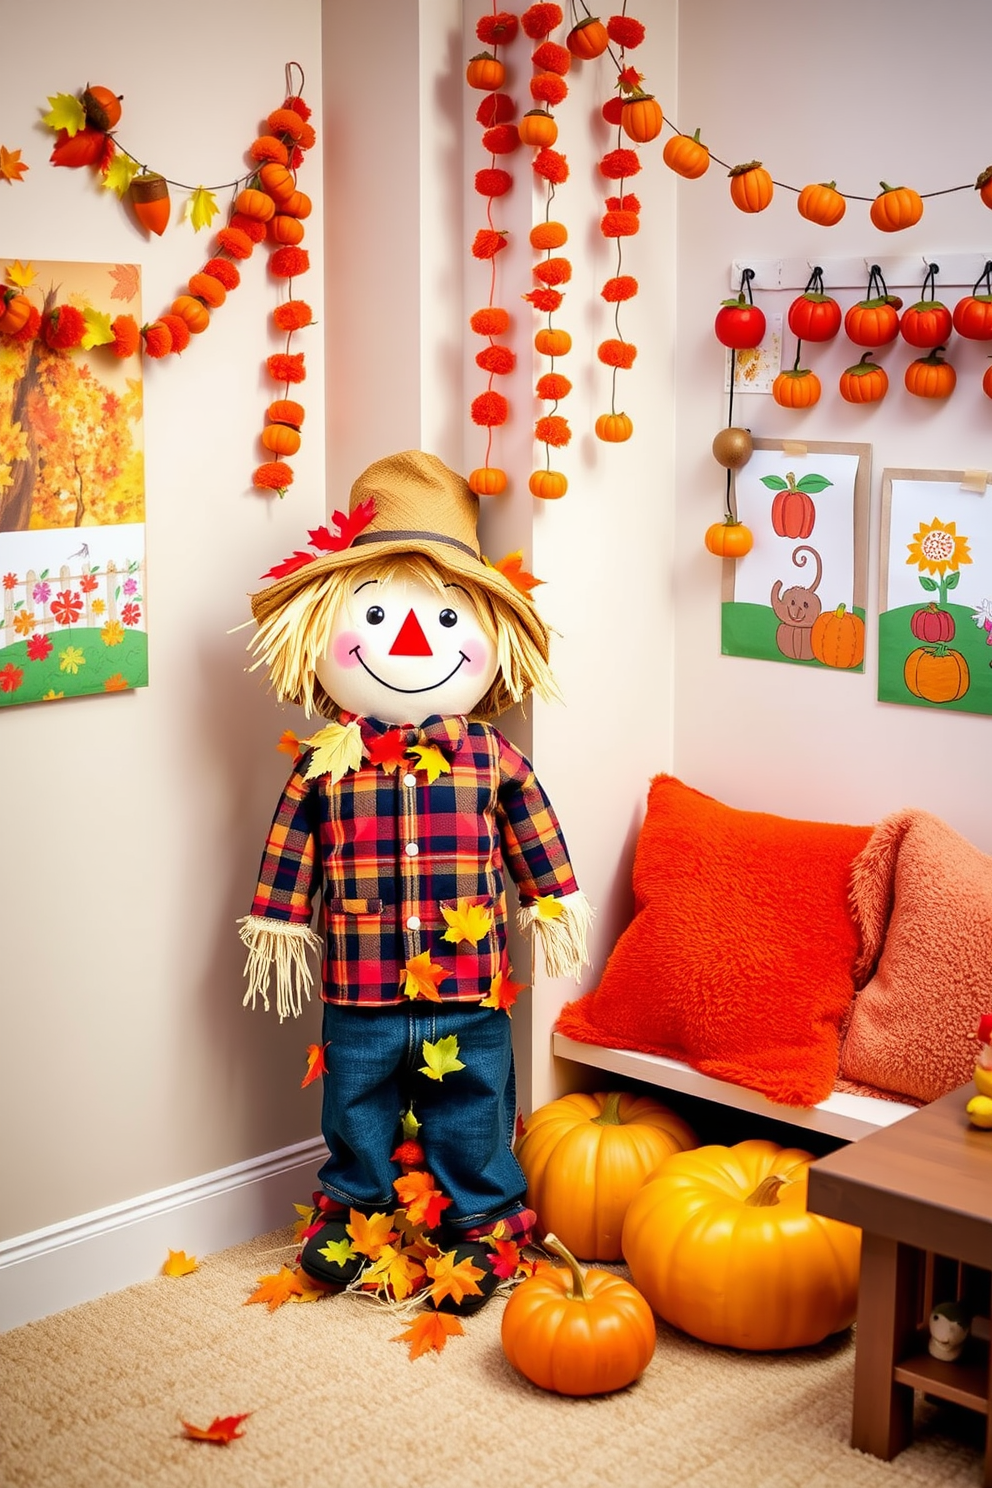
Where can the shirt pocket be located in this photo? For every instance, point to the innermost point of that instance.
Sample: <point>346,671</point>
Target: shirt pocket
<point>354,931</point>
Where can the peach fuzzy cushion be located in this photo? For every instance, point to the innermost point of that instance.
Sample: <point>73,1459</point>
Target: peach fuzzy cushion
<point>739,958</point>
<point>922,896</point>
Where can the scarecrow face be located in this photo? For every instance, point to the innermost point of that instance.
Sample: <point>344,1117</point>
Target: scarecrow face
<point>401,650</point>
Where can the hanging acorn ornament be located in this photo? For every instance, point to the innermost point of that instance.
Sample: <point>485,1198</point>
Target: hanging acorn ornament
<point>101,107</point>
<point>150,200</point>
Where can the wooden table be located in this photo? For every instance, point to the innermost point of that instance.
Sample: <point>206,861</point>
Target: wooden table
<point>921,1192</point>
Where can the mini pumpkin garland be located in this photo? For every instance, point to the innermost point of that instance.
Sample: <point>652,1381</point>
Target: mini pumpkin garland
<point>266,206</point>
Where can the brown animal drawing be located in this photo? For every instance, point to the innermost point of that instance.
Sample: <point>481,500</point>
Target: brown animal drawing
<point>797,609</point>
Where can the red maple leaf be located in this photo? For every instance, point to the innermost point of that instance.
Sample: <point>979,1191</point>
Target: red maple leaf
<point>388,749</point>
<point>315,1064</point>
<point>289,565</point>
<point>507,1257</point>
<point>222,1429</point>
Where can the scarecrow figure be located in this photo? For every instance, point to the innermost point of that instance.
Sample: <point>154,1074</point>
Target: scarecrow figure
<point>405,813</point>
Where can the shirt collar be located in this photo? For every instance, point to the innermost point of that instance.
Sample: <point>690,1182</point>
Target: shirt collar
<point>449,731</point>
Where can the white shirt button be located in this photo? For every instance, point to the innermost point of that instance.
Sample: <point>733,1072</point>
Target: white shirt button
<point>410,780</point>
<point>413,923</point>
<point>412,849</point>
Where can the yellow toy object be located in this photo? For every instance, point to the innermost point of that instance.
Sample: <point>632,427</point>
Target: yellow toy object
<point>979,1108</point>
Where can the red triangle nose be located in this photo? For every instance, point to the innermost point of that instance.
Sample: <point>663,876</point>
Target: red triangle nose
<point>411,640</point>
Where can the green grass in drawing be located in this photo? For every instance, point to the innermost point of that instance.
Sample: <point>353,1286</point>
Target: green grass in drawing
<point>73,662</point>
<point>750,630</point>
<point>967,662</point>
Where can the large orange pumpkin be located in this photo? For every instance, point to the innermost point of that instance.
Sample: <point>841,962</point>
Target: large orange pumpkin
<point>796,387</point>
<point>687,156</point>
<point>896,207</point>
<point>641,118</point>
<point>938,674</point>
<point>821,203</point>
<point>537,128</point>
<point>577,1333</point>
<point>838,638</point>
<point>585,1156</point>
<point>551,342</point>
<point>485,71</point>
<point>721,1244</point>
<point>549,485</point>
<point>865,382</point>
<point>614,428</point>
<point>487,480</point>
<point>751,187</point>
<point>931,376</point>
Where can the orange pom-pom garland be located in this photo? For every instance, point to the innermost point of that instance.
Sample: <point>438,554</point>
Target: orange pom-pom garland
<point>493,182</point>
<point>288,262</point>
<point>252,227</point>
<point>617,353</point>
<point>550,57</point>
<point>158,339</point>
<point>498,29</point>
<point>127,337</point>
<point>208,289</point>
<point>224,270</point>
<point>63,327</point>
<point>625,31</point>
<point>544,299</point>
<point>495,108</point>
<point>490,409</point>
<point>553,429</point>
<point>267,147</point>
<point>235,241</point>
<point>293,315</point>
<point>502,139</point>
<point>554,271</point>
<point>617,164</point>
<point>548,87</point>
<point>274,476</point>
<point>178,330</point>
<point>551,165</point>
<point>284,367</point>
<point>497,359</point>
<point>487,243</point>
<point>553,386</point>
<point>491,320</point>
<point>540,20</point>
<point>619,224</point>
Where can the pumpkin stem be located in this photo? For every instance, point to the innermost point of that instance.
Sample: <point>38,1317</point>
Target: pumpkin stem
<point>552,1243</point>
<point>610,1114</point>
<point>766,1192</point>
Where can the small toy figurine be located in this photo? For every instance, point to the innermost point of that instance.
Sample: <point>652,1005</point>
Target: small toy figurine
<point>404,813</point>
<point>979,1108</point>
<point>950,1324</point>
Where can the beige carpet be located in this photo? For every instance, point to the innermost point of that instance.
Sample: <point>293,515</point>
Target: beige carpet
<point>92,1398</point>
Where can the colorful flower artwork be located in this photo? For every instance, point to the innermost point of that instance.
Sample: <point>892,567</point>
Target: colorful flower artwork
<point>72,499</point>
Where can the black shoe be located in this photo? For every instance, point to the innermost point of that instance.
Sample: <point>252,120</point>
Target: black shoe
<point>482,1257</point>
<point>323,1268</point>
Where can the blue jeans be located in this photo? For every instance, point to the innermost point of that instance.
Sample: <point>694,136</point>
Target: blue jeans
<point>374,1057</point>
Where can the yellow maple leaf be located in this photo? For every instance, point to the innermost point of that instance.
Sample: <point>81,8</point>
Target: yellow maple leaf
<point>466,922</point>
<point>201,208</point>
<point>548,907</point>
<point>12,167</point>
<point>512,568</point>
<point>278,1287</point>
<point>421,977</point>
<point>65,113</point>
<point>454,1279</point>
<point>411,1125</point>
<point>370,1232</point>
<point>431,1330</point>
<point>302,1222</point>
<point>179,1264</point>
<point>21,276</point>
<point>503,993</point>
<point>120,173</point>
<point>98,332</point>
<point>336,750</point>
<point>394,1273</point>
<point>338,1251</point>
<point>430,758</point>
<point>442,1057</point>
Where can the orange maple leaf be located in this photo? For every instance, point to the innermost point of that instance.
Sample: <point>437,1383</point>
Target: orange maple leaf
<point>12,168</point>
<point>222,1429</point>
<point>388,750</point>
<point>370,1232</point>
<point>281,1286</point>
<point>503,993</point>
<point>512,569</point>
<point>421,1198</point>
<point>316,1065</point>
<point>507,1257</point>
<point>126,282</point>
<point>453,1280</point>
<point>431,1330</point>
<point>289,744</point>
<point>421,977</point>
<point>179,1264</point>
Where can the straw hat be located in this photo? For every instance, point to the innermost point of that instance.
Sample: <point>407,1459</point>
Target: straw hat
<point>420,506</point>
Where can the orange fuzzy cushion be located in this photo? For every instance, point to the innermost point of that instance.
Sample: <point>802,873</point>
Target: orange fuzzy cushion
<point>739,959</point>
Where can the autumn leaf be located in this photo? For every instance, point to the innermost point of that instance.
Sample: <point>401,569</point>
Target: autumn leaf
<point>284,1285</point>
<point>507,1258</point>
<point>21,276</point>
<point>466,922</point>
<point>126,282</point>
<point>410,1124</point>
<point>394,1273</point>
<point>222,1429</point>
<point>179,1264</point>
<point>98,332</point>
<point>548,907</point>
<point>421,1198</point>
<point>388,750</point>
<point>348,525</point>
<point>370,1232</point>
<point>454,1279</point>
<point>290,744</point>
<point>503,993</point>
<point>442,1057</point>
<point>119,174</point>
<point>315,1064</point>
<point>302,1222</point>
<point>201,208</point>
<point>409,1154</point>
<point>431,1330</point>
<point>336,750</point>
<point>337,1251</point>
<point>12,168</point>
<point>421,977</point>
<point>412,1237</point>
<point>66,113</point>
<point>512,569</point>
<point>429,758</point>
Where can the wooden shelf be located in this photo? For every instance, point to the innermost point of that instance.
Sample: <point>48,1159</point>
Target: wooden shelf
<point>964,1381</point>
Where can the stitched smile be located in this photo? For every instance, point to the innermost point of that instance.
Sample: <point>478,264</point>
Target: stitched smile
<point>462,658</point>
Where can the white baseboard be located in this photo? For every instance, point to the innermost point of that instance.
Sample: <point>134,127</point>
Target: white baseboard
<point>57,1267</point>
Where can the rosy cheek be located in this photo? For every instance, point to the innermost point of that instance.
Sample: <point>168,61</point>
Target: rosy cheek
<point>477,654</point>
<point>344,648</point>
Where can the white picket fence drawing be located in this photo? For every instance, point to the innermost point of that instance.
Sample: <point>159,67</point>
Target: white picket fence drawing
<point>108,588</point>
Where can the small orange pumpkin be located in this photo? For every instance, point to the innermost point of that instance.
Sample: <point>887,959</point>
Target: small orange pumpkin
<point>641,118</point>
<point>931,376</point>
<point>277,180</point>
<point>751,187</point>
<point>208,289</point>
<point>865,382</point>
<point>193,312</point>
<point>984,185</point>
<point>549,485</point>
<point>588,39</point>
<point>15,309</point>
<point>551,342</point>
<point>686,156</point>
<point>838,638</point>
<point>822,203</point>
<point>296,204</point>
<point>729,538</point>
<point>614,428</point>
<point>256,204</point>
<point>895,208</point>
<point>936,673</point>
<point>488,480</point>
<point>284,229</point>
<point>281,439</point>
<point>485,72</point>
<point>537,128</point>
<point>797,387</point>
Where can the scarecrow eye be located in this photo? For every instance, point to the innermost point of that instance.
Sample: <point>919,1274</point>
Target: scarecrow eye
<point>448,618</point>
<point>375,614</point>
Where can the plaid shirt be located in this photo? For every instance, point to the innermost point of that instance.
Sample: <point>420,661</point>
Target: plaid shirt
<point>391,849</point>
